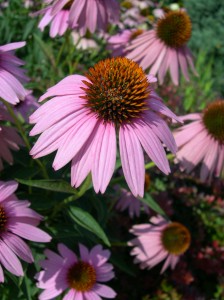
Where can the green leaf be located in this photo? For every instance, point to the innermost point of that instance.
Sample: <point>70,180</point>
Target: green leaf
<point>85,220</point>
<point>47,50</point>
<point>50,185</point>
<point>148,200</point>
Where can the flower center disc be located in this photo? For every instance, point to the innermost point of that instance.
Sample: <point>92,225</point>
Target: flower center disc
<point>174,29</point>
<point>81,276</point>
<point>213,119</point>
<point>176,238</point>
<point>3,219</point>
<point>118,90</point>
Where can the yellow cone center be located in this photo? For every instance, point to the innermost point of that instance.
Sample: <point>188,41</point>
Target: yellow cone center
<point>174,29</point>
<point>176,238</point>
<point>81,276</point>
<point>213,119</point>
<point>117,90</point>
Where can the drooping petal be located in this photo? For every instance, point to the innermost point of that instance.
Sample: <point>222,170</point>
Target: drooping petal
<point>132,160</point>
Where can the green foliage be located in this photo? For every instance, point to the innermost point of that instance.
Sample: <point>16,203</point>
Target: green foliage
<point>208,31</point>
<point>200,90</point>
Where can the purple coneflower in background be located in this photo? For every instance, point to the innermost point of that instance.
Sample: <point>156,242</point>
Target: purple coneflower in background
<point>130,202</point>
<point>11,75</point>
<point>82,118</point>
<point>16,220</point>
<point>202,140</point>
<point>82,15</point>
<point>27,106</point>
<point>158,241</point>
<point>57,18</point>
<point>82,276</point>
<point>165,47</point>
<point>118,43</point>
<point>9,139</point>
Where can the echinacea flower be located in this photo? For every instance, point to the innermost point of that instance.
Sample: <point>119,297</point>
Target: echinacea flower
<point>92,15</point>
<point>17,221</point>
<point>86,111</point>
<point>130,202</point>
<point>11,76</point>
<point>58,19</point>
<point>165,47</point>
<point>82,277</point>
<point>9,138</point>
<point>82,15</point>
<point>27,106</point>
<point>158,241</point>
<point>202,141</point>
<point>118,43</point>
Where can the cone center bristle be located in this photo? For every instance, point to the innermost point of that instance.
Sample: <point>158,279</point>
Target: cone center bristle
<point>174,29</point>
<point>81,276</point>
<point>176,238</point>
<point>213,119</point>
<point>3,219</point>
<point>117,90</point>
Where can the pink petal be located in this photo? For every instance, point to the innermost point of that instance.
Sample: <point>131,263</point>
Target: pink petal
<point>104,158</point>
<point>29,232</point>
<point>7,189</point>
<point>104,291</point>
<point>132,159</point>
<point>9,260</point>
<point>19,247</point>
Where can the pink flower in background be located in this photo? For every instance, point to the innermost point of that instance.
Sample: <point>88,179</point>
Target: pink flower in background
<point>158,241</point>
<point>81,120</point>
<point>27,106</point>
<point>82,15</point>
<point>11,76</point>
<point>202,141</point>
<point>58,19</point>
<point>118,43</point>
<point>130,202</point>
<point>82,276</point>
<point>164,48</point>
<point>83,43</point>
<point>16,220</point>
<point>92,15</point>
<point>9,139</point>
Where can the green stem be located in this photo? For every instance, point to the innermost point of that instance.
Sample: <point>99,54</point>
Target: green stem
<point>152,164</point>
<point>85,186</point>
<point>23,134</point>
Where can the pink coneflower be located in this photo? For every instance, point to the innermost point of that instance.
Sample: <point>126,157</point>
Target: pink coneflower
<point>83,15</point>
<point>58,19</point>
<point>9,139</point>
<point>165,47</point>
<point>203,141</point>
<point>92,15</point>
<point>82,118</point>
<point>118,43</point>
<point>11,76</point>
<point>82,276</point>
<point>158,241</point>
<point>130,202</point>
<point>16,220</point>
